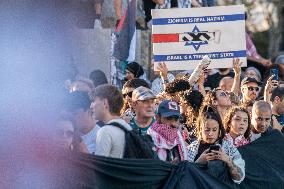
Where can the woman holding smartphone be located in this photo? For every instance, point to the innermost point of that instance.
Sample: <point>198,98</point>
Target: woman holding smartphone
<point>210,132</point>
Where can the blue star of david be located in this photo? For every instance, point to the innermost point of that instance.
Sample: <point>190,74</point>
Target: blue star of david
<point>196,44</point>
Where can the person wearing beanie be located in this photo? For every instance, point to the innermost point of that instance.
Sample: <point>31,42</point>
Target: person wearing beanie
<point>133,70</point>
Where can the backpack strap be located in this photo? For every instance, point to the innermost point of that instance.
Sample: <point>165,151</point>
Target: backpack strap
<point>119,126</point>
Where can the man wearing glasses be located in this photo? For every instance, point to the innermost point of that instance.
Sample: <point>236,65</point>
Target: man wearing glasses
<point>250,88</point>
<point>127,90</point>
<point>261,120</point>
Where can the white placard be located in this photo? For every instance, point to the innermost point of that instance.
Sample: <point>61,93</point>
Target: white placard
<point>181,37</point>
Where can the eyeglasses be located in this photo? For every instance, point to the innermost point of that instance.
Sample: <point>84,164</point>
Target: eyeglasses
<point>129,94</point>
<point>67,134</point>
<point>253,89</point>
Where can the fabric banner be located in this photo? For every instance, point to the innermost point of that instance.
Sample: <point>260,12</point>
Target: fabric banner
<point>264,170</point>
<point>181,37</point>
<point>125,32</point>
<point>264,162</point>
<point>123,44</point>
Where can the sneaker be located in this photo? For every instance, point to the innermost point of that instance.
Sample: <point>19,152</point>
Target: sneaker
<point>98,24</point>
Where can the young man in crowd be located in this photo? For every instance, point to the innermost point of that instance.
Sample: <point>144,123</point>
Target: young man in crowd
<point>106,106</point>
<point>277,100</point>
<point>261,120</point>
<point>143,101</point>
<point>79,106</point>
<point>250,88</point>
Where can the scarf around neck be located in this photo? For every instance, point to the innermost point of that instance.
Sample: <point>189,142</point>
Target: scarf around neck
<point>165,138</point>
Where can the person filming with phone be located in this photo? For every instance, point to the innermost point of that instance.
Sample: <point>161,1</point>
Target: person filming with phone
<point>213,151</point>
<point>277,102</point>
<point>274,95</point>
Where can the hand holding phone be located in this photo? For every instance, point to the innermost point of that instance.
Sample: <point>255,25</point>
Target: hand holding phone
<point>214,147</point>
<point>274,72</point>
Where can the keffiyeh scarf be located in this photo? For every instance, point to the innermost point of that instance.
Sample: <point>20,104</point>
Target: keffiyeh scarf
<point>166,138</point>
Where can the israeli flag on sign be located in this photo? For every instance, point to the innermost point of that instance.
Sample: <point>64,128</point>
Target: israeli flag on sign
<point>181,37</point>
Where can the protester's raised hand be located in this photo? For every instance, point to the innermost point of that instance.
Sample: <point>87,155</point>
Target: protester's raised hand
<point>162,68</point>
<point>276,124</point>
<point>205,62</point>
<point>237,66</point>
<point>268,89</point>
<point>270,85</point>
<point>201,79</point>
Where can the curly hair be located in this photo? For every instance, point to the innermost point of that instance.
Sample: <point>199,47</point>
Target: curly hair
<point>192,101</point>
<point>210,97</point>
<point>209,112</point>
<point>193,98</point>
<point>177,85</point>
<point>228,119</point>
<point>135,83</point>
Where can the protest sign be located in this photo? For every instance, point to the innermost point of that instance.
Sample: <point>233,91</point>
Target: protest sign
<point>181,37</point>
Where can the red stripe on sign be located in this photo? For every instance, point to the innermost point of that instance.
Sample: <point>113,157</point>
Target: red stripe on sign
<point>163,38</point>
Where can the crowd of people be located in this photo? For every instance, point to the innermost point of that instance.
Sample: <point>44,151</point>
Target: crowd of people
<point>202,117</point>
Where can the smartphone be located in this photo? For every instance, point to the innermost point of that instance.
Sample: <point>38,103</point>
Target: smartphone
<point>214,147</point>
<point>275,73</point>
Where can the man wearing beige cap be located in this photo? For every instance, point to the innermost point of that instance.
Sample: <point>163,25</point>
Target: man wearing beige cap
<point>144,107</point>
